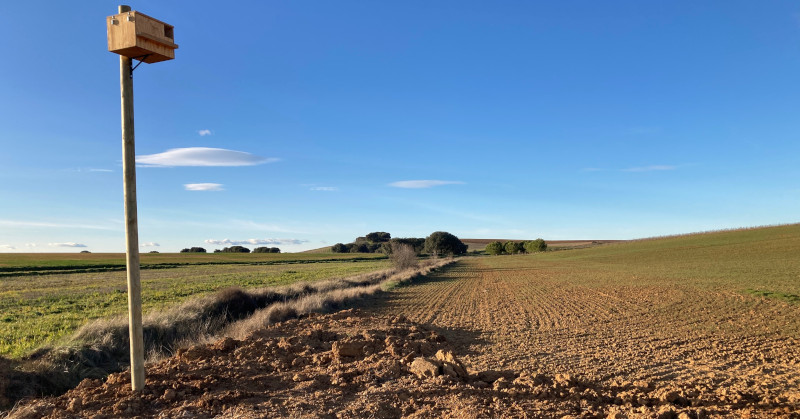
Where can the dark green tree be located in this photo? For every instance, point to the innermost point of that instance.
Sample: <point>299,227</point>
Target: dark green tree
<point>534,246</point>
<point>235,249</point>
<point>444,243</point>
<point>512,247</point>
<point>340,248</point>
<point>264,249</point>
<point>378,237</point>
<point>359,248</point>
<point>194,250</point>
<point>495,248</point>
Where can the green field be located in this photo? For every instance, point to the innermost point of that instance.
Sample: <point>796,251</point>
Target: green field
<point>761,261</point>
<point>40,306</point>
<point>12,264</point>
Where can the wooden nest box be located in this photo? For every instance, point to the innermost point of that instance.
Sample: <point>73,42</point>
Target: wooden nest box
<point>136,35</point>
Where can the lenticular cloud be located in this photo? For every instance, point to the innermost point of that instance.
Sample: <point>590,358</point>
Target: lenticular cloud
<point>418,184</point>
<point>201,156</point>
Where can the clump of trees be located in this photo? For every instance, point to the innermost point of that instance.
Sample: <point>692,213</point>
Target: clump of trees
<point>233,249</point>
<point>264,249</point>
<point>371,243</point>
<point>438,243</point>
<point>194,250</point>
<point>512,247</point>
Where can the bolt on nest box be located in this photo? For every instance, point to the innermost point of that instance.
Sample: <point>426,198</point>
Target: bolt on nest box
<point>138,36</point>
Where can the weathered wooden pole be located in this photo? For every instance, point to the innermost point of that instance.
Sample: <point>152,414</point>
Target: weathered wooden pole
<point>134,35</point>
<point>131,221</point>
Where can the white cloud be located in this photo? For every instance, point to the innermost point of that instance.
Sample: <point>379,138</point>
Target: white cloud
<point>67,244</point>
<point>7,247</point>
<point>325,188</point>
<point>30,245</point>
<point>255,241</point>
<point>202,156</point>
<point>650,168</point>
<point>204,132</point>
<point>203,187</point>
<point>149,244</point>
<point>417,184</point>
<point>100,170</point>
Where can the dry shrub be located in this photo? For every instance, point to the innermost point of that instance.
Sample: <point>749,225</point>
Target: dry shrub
<point>326,301</point>
<point>403,256</point>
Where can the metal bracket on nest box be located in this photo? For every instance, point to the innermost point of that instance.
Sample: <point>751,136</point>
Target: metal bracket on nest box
<point>141,60</point>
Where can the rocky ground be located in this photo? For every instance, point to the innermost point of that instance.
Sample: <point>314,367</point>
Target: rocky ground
<point>356,364</point>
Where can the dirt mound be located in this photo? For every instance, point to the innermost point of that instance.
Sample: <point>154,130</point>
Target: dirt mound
<point>353,364</point>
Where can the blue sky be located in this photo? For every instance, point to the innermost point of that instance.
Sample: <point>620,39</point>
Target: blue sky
<point>303,124</point>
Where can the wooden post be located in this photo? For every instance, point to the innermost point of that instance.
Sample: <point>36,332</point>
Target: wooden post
<point>131,222</point>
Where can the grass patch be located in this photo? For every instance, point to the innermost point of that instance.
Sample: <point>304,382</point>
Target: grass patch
<point>783,296</point>
<point>58,263</point>
<point>43,309</point>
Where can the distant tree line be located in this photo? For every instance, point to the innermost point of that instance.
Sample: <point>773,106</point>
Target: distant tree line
<point>512,247</point>
<point>438,243</point>
<point>263,249</point>
<point>232,249</point>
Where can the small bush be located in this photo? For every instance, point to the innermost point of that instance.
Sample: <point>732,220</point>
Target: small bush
<point>403,256</point>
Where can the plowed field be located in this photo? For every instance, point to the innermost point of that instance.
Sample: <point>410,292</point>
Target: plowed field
<point>710,345</point>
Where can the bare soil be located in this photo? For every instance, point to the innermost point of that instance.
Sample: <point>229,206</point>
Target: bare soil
<point>481,340</point>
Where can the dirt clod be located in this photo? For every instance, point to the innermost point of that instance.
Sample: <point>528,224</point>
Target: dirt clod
<point>425,368</point>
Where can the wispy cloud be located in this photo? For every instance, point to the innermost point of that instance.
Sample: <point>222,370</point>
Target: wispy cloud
<point>253,225</point>
<point>203,187</point>
<point>204,132</point>
<point>67,244</point>
<point>149,244</point>
<point>17,223</point>
<point>418,184</point>
<point>7,247</point>
<point>31,244</point>
<point>89,169</point>
<point>325,188</point>
<point>255,241</point>
<point>202,156</point>
<point>650,168</point>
